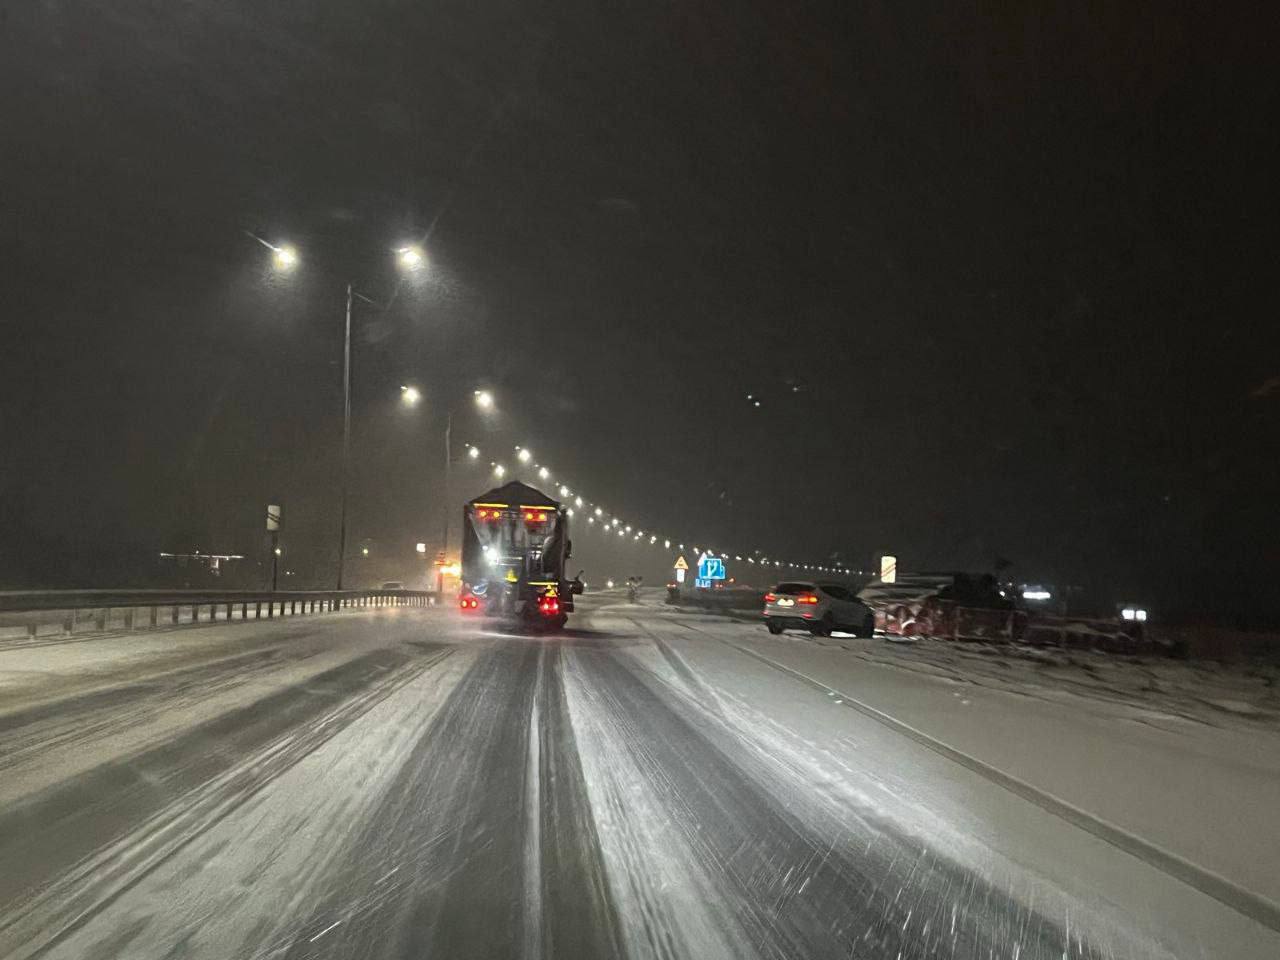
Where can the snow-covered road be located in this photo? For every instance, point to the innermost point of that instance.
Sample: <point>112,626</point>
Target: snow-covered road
<point>651,783</point>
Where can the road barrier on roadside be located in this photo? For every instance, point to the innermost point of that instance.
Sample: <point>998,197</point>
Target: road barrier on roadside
<point>28,611</point>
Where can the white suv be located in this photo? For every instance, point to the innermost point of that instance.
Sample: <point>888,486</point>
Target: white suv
<point>819,608</point>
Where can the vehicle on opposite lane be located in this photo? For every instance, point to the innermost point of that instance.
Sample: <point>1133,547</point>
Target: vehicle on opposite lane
<point>819,608</point>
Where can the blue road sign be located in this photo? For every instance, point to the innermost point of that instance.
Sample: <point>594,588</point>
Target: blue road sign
<point>710,568</point>
<point>702,584</point>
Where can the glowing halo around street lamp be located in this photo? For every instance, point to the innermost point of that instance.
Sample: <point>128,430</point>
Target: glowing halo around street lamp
<point>484,399</point>
<point>410,395</point>
<point>411,257</point>
<point>523,454</point>
<point>284,257</point>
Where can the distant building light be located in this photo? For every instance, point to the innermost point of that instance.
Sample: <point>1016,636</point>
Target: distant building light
<point>1036,594</point>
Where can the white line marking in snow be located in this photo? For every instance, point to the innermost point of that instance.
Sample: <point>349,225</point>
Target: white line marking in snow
<point>324,931</point>
<point>384,876</point>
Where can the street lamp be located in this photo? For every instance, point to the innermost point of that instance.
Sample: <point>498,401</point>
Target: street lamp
<point>410,395</point>
<point>284,257</point>
<point>484,399</point>
<point>411,257</point>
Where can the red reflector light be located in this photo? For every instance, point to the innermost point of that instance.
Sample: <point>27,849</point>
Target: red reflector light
<point>770,597</point>
<point>806,598</point>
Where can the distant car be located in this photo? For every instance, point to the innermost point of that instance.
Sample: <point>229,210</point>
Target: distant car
<point>392,585</point>
<point>819,608</point>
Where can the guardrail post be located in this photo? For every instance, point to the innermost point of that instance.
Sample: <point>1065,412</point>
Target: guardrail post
<point>31,631</point>
<point>195,613</point>
<point>100,621</point>
<point>154,613</point>
<point>69,624</point>
<point>174,614</point>
<point>128,618</point>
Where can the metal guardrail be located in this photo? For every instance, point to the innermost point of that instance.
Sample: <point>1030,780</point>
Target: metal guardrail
<point>186,606</point>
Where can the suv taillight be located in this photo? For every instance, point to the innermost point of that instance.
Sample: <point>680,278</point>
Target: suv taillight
<point>770,597</point>
<point>807,598</point>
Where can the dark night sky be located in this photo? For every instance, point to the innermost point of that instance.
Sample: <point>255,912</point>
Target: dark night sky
<point>1021,265</point>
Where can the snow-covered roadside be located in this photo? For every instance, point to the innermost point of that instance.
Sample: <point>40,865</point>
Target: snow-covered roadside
<point>1225,695</point>
<point>1206,792</point>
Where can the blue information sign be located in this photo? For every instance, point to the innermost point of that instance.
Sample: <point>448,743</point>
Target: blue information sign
<point>710,568</point>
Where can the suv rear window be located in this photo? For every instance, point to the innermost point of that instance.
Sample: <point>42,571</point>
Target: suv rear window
<point>791,589</point>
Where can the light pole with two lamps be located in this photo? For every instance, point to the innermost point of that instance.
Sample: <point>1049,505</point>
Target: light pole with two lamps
<point>285,259</point>
<point>483,400</point>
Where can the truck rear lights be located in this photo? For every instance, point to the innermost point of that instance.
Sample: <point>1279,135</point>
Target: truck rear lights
<point>469,603</point>
<point>549,606</point>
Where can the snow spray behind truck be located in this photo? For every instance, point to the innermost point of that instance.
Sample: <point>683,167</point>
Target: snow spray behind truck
<point>515,543</point>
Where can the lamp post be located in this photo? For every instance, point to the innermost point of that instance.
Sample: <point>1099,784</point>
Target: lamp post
<point>483,400</point>
<point>285,259</point>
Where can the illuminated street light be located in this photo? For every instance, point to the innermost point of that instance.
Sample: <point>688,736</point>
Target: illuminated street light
<point>564,491</point>
<point>420,547</point>
<point>410,395</point>
<point>577,502</point>
<point>284,257</point>
<point>543,473</point>
<point>484,399</point>
<point>277,551</point>
<point>364,551</point>
<point>666,544</point>
<point>473,452</point>
<point>411,257</point>
<point>523,454</point>
<point>499,470</point>
<point>599,512</point>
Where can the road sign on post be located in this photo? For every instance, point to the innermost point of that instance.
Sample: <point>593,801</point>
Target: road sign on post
<point>681,563</point>
<point>680,572</point>
<point>275,521</point>
<point>888,569</point>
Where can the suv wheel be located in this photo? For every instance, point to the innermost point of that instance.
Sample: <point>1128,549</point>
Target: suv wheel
<point>774,628</point>
<point>823,627</point>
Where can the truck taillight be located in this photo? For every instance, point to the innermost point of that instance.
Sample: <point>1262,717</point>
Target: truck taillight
<point>535,516</point>
<point>806,598</point>
<point>469,603</point>
<point>549,606</point>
